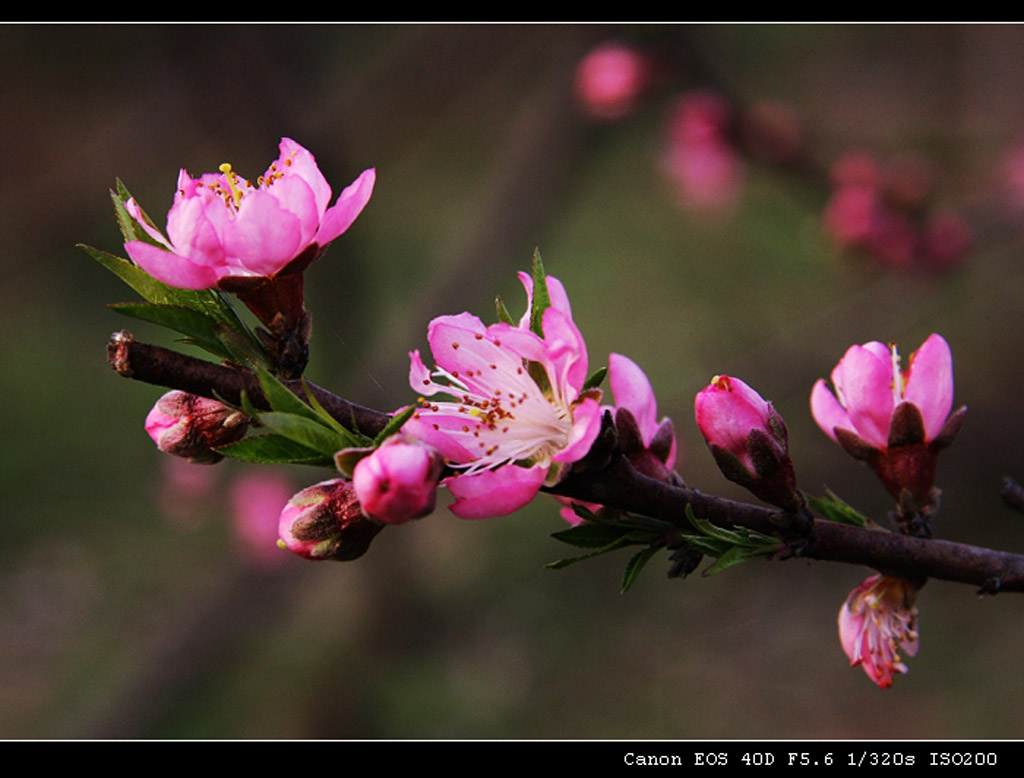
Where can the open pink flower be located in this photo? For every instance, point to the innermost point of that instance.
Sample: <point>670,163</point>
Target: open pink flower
<point>518,412</point>
<point>748,439</point>
<point>878,620</point>
<point>221,226</point>
<point>893,419</point>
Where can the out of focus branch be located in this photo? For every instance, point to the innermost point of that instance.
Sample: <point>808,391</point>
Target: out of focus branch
<point>614,482</point>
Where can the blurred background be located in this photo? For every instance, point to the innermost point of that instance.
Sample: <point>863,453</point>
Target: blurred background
<point>735,199</point>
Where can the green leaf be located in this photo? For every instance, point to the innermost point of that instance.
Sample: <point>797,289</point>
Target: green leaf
<point>274,449</point>
<point>729,546</point>
<point>590,535</point>
<point>635,565</point>
<point>832,508</point>
<point>595,379</point>
<point>284,400</point>
<point>307,432</point>
<point>502,312</point>
<point>394,425</point>
<point>199,328</point>
<point>541,298</point>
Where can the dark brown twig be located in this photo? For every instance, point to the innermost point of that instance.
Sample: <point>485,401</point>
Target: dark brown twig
<point>612,481</point>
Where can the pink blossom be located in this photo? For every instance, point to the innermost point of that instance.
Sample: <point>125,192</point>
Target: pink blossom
<point>609,79</point>
<point>748,439</point>
<point>895,420</point>
<point>256,500</point>
<point>221,226</point>
<point>325,521</point>
<point>701,159</point>
<point>870,385</point>
<point>398,481</point>
<point>518,413</point>
<point>190,426</point>
<point>877,620</point>
<point>649,442</point>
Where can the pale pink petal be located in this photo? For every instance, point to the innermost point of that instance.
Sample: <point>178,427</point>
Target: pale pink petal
<point>349,205</point>
<point>499,492</point>
<point>930,383</point>
<point>294,195</point>
<point>263,237</point>
<point>566,350</point>
<point>295,161</point>
<point>193,233</point>
<point>633,391</point>
<point>827,411</point>
<point>170,268</point>
<point>586,425</point>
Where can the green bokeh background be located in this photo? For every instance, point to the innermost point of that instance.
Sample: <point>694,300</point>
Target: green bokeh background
<point>117,621</point>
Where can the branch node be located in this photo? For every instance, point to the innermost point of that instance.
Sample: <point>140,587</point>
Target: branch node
<point>117,352</point>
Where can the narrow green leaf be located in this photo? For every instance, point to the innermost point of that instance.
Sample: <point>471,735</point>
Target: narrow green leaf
<point>541,298</point>
<point>284,400</point>
<point>199,328</point>
<point>274,449</point>
<point>307,432</point>
<point>502,312</point>
<point>635,565</point>
<point>596,379</point>
<point>833,508</point>
<point>591,535</point>
<point>394,425</point>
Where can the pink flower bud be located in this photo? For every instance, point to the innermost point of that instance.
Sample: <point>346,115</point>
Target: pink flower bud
<point>748,440</point>
<point>398,481</point>
<point>190,426</point>
<point>876,621</point>
<point>325,521</point>
<point>894,420</point>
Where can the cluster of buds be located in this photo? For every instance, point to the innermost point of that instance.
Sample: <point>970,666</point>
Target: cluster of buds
<point>884,212</point>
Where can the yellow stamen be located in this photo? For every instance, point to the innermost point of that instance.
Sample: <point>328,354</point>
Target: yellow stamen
<point>230,176</point>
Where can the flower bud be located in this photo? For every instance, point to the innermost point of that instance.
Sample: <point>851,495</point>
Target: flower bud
<point>325,521</point>
<point>190,426</point>
<point>398,480</point>
<point>748,440</point>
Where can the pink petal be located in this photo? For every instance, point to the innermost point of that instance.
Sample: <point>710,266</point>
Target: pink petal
<point>586,425</point>
<point>170,268</point>
<point>349,205</point>
<point>567,350</point>
<point>633,391</point>
<point>263,236</point>
<point>865,383</point>
<point>827,411</point>
<point>296,162</point>
<point>490,493</point>
<point>930,383</point>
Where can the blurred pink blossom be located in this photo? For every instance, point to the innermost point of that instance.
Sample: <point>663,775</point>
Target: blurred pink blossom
<point>610,79</point>
<point>257,498</point>
<point>701,159</point>
<point>876,622</point>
